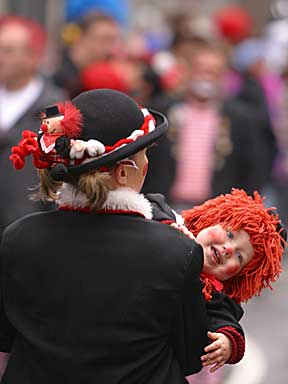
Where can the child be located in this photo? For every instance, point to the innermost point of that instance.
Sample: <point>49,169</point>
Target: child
<point>243,244</point>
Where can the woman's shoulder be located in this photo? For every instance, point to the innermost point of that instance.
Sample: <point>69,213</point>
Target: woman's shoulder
<point>25,223</point>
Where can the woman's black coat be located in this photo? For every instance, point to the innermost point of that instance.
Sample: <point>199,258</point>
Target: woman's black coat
<point>89,298</point>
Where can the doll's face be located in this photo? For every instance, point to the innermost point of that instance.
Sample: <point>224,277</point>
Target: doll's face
<point>52,125</point>
<point>226,252</point>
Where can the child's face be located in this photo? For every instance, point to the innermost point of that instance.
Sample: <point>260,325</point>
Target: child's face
<point>226,252</point>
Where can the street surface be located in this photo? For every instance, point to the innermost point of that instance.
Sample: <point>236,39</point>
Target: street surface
<point>265,323</point>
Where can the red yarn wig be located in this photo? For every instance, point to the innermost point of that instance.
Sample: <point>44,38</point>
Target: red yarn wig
<point>237,211</point>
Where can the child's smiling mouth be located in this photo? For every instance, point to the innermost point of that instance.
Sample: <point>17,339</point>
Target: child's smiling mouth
<point>215,255</point>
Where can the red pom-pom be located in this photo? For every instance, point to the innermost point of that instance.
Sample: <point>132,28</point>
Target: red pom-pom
<point>104,75</point>
<point>26,146</point>
<point>38,163</point>
<point>234,23</point>
<point>29,146</point>
<point>26,134</point>
<point>17,160</point>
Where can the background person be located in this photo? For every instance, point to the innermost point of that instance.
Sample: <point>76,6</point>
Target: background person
<point>98,39</point>
<point>23,93</point>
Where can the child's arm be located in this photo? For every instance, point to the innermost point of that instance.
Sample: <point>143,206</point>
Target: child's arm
<point>227,336</point>
<point>161,210</point>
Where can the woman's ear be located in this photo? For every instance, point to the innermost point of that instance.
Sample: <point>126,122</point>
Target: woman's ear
<point>121,175</point>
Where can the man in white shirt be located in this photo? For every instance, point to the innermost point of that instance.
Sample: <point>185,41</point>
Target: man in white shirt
<point>23,93</point>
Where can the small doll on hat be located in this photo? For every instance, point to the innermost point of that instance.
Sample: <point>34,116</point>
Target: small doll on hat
<point>243,243</point>
<point>60,123</point>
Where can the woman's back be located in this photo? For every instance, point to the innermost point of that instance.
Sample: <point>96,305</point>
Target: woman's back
<point>90,305</point>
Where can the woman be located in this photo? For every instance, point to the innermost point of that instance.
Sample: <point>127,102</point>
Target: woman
<point>96,292</point>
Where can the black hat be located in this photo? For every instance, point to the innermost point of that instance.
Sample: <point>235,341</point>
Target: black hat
<point>118,123</point>
<point>52,111</point>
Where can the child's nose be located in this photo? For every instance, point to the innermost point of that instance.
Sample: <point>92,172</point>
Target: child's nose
<point>228,251</point>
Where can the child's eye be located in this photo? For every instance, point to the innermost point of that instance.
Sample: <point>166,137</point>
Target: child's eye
<point>239,257</point>
<point>230,234</point>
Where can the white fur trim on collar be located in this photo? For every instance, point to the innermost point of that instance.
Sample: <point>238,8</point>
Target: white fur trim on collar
<point>128,200</point>
<point>123,199</point>
<point>68,196</point>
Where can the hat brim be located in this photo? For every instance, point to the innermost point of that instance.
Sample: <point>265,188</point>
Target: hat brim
<point>161,126</point>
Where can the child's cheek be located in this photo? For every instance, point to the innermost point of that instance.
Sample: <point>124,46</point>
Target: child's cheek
<point>217,235</point>
<point>231,270</point>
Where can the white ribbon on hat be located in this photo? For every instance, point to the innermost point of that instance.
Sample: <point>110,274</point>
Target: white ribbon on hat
<point>151,124</point>
<point>95,148</point>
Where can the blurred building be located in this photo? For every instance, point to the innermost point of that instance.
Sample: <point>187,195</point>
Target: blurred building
<point>147,14</point>
<point>42,9</point>
<point>39,10</point>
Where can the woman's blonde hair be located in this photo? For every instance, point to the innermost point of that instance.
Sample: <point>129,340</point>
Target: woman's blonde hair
<point>94,185</point>
<point>48,189</point>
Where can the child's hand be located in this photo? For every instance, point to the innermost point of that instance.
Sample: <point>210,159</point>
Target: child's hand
<point>184,230</point>
<point>218,352</point>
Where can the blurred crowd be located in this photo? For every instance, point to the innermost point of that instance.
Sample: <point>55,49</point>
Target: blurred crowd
<point>222,85</point>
